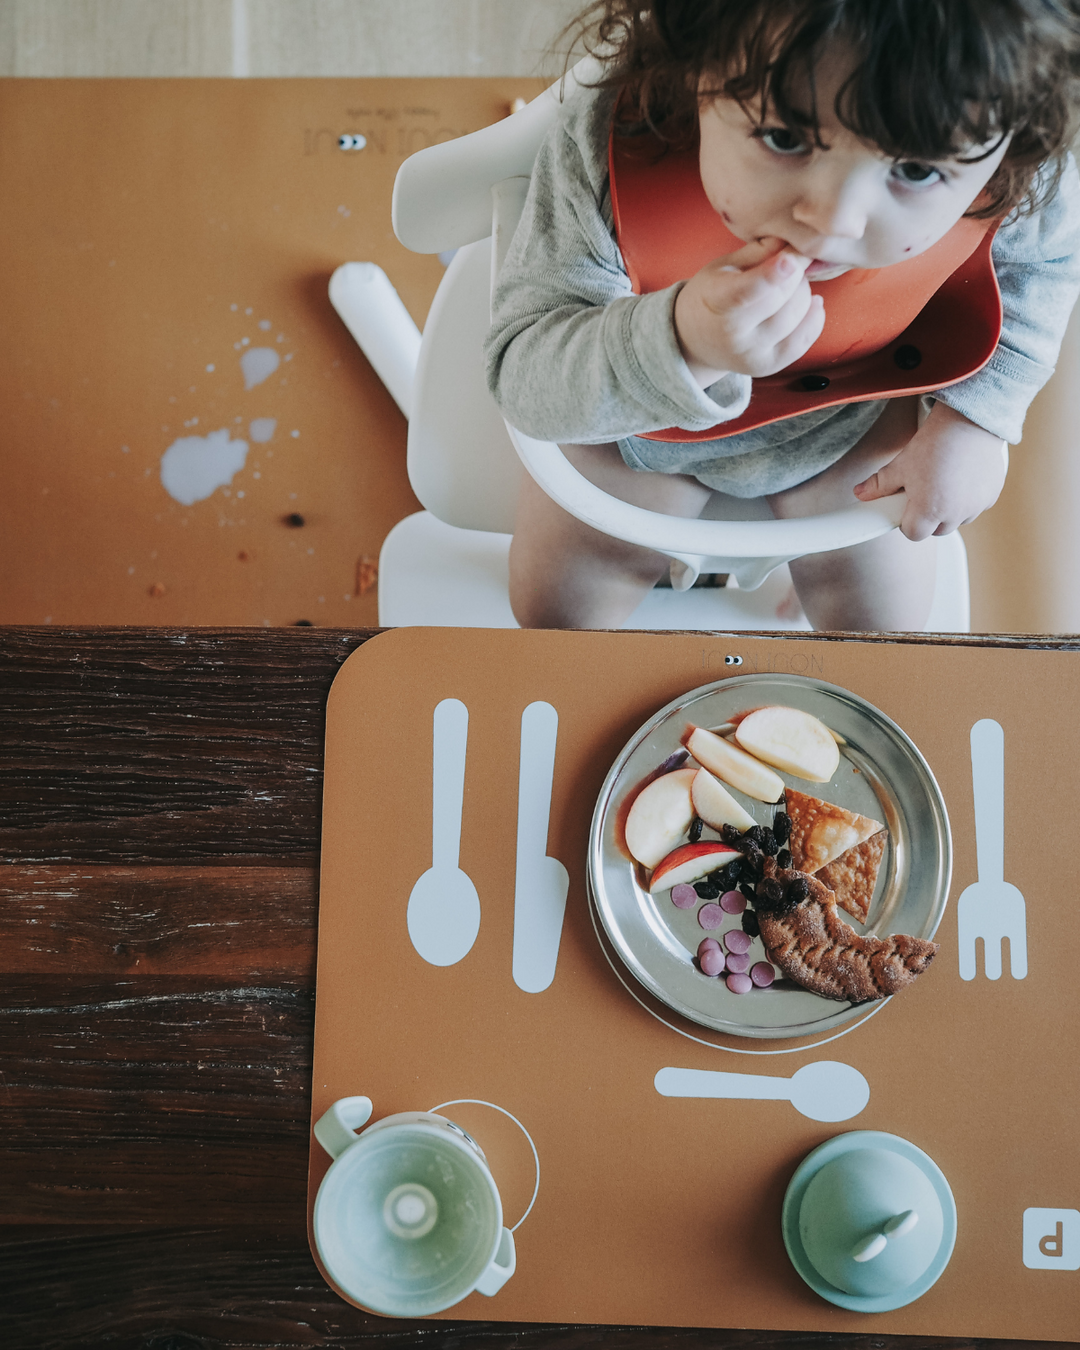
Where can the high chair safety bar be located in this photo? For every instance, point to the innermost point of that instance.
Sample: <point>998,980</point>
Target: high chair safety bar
<point>457,193</point>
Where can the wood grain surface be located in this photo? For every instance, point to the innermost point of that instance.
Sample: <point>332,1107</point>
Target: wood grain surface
<point>159,833</point>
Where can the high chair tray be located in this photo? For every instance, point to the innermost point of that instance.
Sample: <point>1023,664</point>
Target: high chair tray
<point>665,1210</point>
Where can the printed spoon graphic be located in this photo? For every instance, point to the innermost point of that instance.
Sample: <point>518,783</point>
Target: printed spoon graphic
<point>443,916</point>
<point>826,1090</point>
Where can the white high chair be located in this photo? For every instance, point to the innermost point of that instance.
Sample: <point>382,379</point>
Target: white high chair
<point>448,565</point>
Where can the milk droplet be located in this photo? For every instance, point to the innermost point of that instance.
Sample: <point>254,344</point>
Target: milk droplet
<point>258,364</point>
<point>194,467</point>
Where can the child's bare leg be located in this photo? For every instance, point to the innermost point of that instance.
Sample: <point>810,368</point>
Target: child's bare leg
<point>565,574</point>
<point>884,585</point>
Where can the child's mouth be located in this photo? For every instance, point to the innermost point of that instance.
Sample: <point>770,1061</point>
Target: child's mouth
<point>820,270</point>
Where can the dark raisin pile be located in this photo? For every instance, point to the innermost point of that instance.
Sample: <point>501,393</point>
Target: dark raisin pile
<point>777,897</point>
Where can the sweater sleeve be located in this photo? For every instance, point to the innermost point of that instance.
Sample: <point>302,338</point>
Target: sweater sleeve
<point>573,355</point>
<point>1037,261</point>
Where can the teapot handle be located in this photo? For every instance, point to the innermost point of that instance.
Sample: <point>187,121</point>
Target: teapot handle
<point>503,1265</point>
<point>335,1128</point>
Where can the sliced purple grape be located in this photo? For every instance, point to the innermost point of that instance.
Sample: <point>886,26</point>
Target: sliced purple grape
<point>737,941</point>
<point>739,983</point>
<point>737,961</point>
<point>733,902</point>
<point>706,943</point>
<point>762,974</point>
<point>712,962</point>
<point>710,916</point>
<point>684,896</point>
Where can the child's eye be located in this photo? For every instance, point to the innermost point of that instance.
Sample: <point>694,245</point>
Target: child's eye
<point>781,140</point>
<point>913,174</point>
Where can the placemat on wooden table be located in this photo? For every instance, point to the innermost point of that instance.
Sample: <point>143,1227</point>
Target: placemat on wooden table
<point>661,1211</point>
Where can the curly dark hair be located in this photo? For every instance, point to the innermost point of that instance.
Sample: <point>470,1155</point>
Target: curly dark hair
<point>929,79</point>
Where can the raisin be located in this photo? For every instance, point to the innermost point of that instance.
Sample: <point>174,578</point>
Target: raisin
<point>769,843</point>
<point>695,829</point>
<point>729,875</point>
<point>750,923</point>
<point>783,859</point>
<point>770,893</point>
<point>731,836</point>
<point>755,835</point>
<point>798,890</point>
<point>748,891</point>
<point>781,827</point>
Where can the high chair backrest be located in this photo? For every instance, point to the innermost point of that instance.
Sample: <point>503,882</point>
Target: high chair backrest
<point>442,194</point>
<point>468,195</point>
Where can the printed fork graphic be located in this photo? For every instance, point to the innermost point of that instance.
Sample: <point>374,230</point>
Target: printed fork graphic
<point>990,908</point>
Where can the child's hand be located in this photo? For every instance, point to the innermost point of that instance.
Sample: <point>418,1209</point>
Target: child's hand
<point>951,470</point>
<point>750,313</point>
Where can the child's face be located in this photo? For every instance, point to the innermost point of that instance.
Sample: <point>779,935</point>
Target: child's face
<point>845,206</point>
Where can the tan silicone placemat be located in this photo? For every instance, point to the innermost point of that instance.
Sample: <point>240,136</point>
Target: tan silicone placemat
<point>157,232</point>
<point>660,1211</point>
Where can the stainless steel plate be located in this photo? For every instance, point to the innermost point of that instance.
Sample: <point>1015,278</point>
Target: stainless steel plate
<point>881,774</point>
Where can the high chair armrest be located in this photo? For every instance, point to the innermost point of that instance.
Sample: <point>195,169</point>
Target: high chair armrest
<point>442,194</point>
<point>678,536</point>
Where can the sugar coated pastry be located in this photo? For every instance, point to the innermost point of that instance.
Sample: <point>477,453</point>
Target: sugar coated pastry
<point>814,947</point>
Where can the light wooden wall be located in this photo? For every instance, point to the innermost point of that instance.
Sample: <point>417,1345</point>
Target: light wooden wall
<point>1025,554</point>
<point>278,37</point>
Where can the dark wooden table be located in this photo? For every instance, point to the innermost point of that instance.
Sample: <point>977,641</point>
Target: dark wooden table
<point>159,836</point>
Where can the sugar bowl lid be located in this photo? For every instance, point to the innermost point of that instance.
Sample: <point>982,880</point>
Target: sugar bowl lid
<point>869,1221</point>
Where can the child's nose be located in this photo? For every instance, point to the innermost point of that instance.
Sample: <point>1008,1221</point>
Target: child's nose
<point>837,210</point>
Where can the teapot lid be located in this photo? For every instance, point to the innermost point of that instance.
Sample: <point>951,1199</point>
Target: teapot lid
<point>869,1221</point>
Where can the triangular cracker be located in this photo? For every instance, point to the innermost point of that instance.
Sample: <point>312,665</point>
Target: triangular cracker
<point>821,832</point>
<point>853,876</point>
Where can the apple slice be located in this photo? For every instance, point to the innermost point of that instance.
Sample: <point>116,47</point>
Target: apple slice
<point>689,863</point>
<point>715,804</point>
<point>659,816</point>
<point>735,766</point>
<point>792,740</point>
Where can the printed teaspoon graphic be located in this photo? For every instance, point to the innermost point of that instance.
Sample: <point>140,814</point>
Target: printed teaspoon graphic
<point>443,916</point>
<point>826,1090</point>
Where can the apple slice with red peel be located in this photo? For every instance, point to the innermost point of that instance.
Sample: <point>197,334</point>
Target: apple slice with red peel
<point>735,766</point>
<point>689,863</point>
<point>659,816</point>
<point>715,804</point>
<point>792,740</point>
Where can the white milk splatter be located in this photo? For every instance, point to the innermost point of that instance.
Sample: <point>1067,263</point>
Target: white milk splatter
<point>258,364</point>
<point>194,467</point>
<point>262,429</point>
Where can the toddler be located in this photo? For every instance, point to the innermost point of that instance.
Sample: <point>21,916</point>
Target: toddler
<point>698,294</point>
